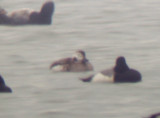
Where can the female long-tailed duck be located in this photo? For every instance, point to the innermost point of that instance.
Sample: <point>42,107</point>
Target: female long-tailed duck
<point>28,16</point>
<point>77,63</point>
<point>119,74</point>
<point>3,86</point>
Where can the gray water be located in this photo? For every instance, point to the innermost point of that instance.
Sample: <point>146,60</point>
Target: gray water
<point>104,29</point>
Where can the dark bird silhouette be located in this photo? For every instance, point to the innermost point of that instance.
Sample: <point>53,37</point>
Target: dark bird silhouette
<point>3,86</point>
<point>120,73</point>
<point>28,16</point>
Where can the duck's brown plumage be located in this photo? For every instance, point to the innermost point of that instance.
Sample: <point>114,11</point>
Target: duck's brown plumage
<point>28,16</point>
<point>73,64</point>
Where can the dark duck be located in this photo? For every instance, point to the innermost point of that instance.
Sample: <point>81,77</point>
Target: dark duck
<point>120,73</point>
<point>28,16</point>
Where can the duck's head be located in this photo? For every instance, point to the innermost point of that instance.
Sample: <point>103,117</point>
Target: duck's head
<point>47,11</point>
<point>80,55</point>
<point>45,14</point>
<point>121,65</point>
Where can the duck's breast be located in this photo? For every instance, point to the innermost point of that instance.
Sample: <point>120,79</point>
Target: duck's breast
<point>80,67</point>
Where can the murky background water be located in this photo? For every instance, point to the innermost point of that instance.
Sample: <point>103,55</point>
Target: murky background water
<point>104,29</point>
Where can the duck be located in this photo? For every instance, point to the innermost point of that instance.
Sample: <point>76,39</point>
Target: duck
<point>28,16</point>
<point>4,87</point>
<point>77,63</point>
<point>120,73</point>
<point>156,115</point>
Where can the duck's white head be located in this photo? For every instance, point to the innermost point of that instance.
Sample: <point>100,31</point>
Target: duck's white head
<point>79,55</point>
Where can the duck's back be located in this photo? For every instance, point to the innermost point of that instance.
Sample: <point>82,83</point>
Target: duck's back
<point>20,16</point>
<point>128,76</point>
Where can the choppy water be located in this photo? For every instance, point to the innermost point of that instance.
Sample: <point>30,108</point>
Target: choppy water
<point>105,29</point>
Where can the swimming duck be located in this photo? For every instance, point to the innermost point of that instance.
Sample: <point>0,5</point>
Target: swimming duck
<point>3,86</point>
<point>28,16</point>
<point>77,63</point>
<point>120,73</point>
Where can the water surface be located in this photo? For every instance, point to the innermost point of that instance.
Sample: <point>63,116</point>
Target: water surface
<point>104,30</point>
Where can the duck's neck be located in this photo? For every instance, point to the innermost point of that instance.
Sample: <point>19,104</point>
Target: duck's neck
<point>121,68</point>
